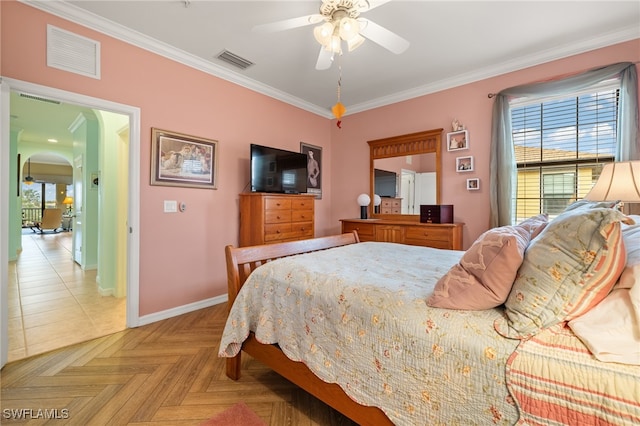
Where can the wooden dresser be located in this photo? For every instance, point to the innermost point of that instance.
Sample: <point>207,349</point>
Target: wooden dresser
<point>438,235</point>
<point>273,218</point>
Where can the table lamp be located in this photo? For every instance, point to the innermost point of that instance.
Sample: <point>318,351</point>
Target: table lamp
<point>363,201</point>
<point>376,203</point>
<point>617,182</point>
<point>68,201</point>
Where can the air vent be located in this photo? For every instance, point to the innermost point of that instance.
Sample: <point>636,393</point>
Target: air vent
<point>70,52</point>
<point>234,60</point>
<point>39,98</point>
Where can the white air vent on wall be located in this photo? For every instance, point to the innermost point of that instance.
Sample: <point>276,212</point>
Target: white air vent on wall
<point>71,52</point>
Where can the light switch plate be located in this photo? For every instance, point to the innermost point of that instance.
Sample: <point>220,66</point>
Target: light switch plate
<point>170,206</point>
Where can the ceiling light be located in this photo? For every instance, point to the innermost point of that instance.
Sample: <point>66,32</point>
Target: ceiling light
<point>355,42</point>
<point>349,28</point>
<point>340,26</point>
<point>323,33</point>
<point>52,140</point>
<point>28,179</point>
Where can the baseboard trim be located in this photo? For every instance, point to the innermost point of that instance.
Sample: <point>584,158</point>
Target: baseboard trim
<point>179,310</point>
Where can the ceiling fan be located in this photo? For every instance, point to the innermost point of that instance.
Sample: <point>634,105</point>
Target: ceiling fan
<point>340,21</point>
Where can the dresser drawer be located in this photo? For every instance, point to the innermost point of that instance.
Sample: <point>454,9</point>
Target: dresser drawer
<point>302,230</point>
<point>277,204</point>
<point>277,231</point>
<point>298,204</point>
<point>301,215</point>
<point>288,231</point>
<point>427,233</point>
<point>277,216</point>
<point>365,230</point>
<point>390,205</point>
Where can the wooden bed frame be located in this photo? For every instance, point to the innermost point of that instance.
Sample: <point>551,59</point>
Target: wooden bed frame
<point>240,263</point>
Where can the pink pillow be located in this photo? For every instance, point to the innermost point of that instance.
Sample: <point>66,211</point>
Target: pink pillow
<point>484,276</point>
<point>535,224</point>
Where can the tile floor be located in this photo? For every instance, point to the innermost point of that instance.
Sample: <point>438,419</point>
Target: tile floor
<point>52,301</point>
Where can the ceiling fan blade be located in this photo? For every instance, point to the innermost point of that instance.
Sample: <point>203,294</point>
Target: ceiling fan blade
<point>382,36</point>
<point>325,58</point>
<point>375,3</point>
<point>288,24</point>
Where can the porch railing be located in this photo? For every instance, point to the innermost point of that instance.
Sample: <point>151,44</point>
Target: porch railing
<point>31,215</point>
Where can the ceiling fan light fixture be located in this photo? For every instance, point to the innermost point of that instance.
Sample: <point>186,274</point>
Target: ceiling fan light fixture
<point>323,33</point>
<point>28,179</point>
<point>336,44</point>
<point>349,28</point>
<point>355,42</point>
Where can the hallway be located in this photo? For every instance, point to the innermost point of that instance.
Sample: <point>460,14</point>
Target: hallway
<point>52,301</point>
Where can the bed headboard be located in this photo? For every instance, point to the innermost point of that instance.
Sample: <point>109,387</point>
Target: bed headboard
<point>241,261</point>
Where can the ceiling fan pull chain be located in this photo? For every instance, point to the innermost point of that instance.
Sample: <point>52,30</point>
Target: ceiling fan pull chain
<point>339,109</point>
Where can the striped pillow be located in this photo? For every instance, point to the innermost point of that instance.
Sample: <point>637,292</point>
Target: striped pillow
<point>568,269</point>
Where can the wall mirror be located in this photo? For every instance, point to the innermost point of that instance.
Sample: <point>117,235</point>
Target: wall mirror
<point>406,169</point>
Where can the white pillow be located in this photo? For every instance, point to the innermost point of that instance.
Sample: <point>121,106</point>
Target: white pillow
<point>611,330</point>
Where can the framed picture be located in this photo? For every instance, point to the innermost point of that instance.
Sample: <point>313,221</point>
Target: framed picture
<point>314,168</point>
<point>464,164</point>
<point>473,184</point>
<point>182,160</point>
<point>458,140</point>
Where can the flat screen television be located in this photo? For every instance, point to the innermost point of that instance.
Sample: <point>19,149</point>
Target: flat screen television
<point>278,170</point>
<point>385,183</point>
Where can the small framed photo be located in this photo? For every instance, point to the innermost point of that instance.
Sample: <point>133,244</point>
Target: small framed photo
<point>458,140</point>
<point>464,164</point>
<point>182,160</point>
<point>473,184</point>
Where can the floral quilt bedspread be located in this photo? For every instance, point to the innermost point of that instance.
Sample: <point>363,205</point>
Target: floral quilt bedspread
<point>357,316</point>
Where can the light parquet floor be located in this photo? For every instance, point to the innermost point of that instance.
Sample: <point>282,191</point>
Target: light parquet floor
<point>165,373</point>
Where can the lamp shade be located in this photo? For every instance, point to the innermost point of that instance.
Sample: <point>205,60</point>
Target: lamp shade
<point>323,33</point>
<point>377,200</point>
<point>364,200</point>
<point>617,182</point>
<point>67,200</point>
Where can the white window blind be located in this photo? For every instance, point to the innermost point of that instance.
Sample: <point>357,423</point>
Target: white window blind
<point>560,146</point>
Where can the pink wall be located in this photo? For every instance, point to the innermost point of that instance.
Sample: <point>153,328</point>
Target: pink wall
<point>182,255</point>
<point>181,259</point>
<point>470,105</point>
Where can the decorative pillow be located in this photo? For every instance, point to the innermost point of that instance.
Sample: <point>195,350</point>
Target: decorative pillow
<point>631,273</point>
<point>570,267</point>
<point>611,330</point>
<point>535,224</point>
<point>588,204</point>
<point>484,276</point>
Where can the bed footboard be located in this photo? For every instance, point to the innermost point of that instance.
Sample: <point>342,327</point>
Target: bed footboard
<point>241,262</point>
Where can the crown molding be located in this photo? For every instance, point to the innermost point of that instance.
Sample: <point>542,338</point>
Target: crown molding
<point>94,22</point>
<point>559,52</point>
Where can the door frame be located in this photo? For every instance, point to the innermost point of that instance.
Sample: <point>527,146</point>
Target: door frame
<point>133,219</point>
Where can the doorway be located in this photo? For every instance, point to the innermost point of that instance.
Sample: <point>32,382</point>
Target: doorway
<point>128,233</point>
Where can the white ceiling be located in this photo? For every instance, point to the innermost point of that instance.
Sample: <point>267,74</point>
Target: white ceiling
<point>452,42</point>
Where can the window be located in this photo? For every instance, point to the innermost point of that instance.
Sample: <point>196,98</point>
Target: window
<point>560,148</point>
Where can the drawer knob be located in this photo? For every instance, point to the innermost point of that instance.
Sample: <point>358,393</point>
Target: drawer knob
<point>277,217</point>
<point>277,231</point>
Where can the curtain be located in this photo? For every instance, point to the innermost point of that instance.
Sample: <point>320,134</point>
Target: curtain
<point>502,168</point>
